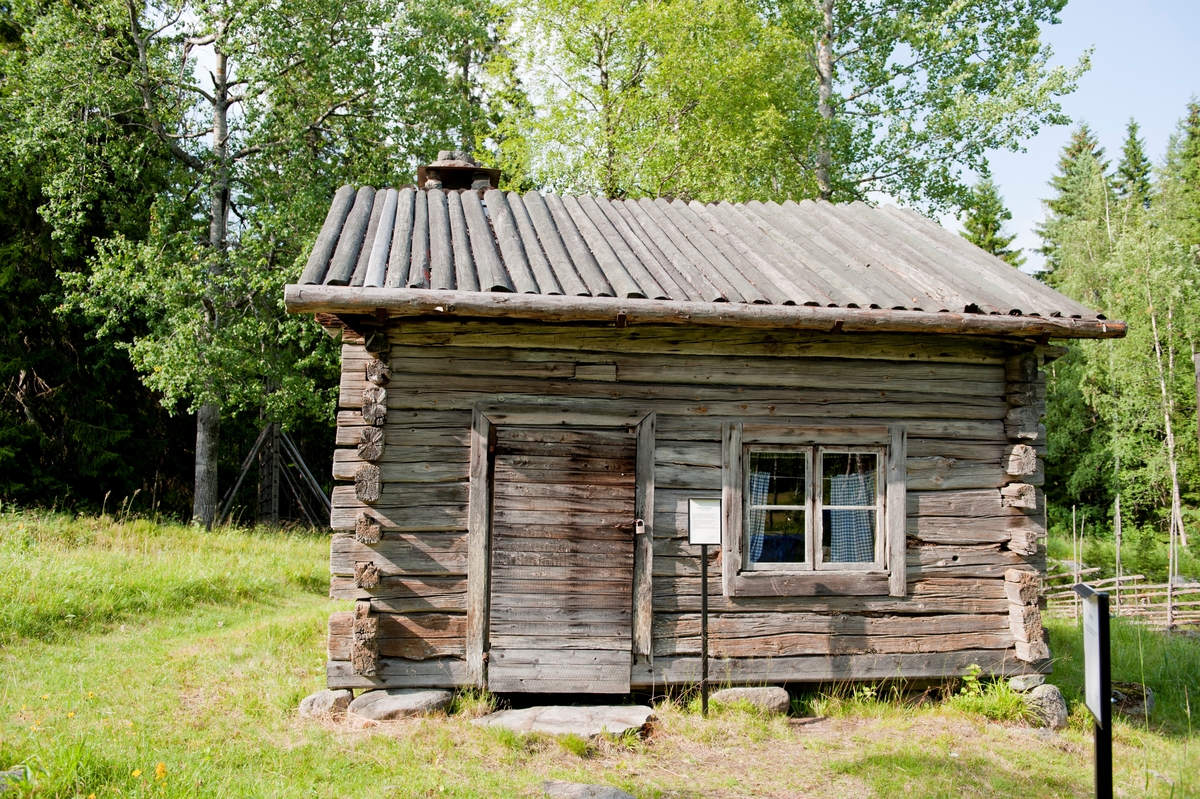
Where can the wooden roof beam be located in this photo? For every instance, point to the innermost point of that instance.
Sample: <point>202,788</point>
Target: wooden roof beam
<point>534,307</point>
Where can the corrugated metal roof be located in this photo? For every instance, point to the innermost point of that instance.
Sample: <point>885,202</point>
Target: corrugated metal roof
<point>807,253</point>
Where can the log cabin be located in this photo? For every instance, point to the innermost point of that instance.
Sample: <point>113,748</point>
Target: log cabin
<point>534,386</point>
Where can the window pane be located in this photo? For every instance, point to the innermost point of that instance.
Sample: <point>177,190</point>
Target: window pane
<point>848,478</point>
<point>777,478</point>
<point>776,536</point>
<point>849,536</point>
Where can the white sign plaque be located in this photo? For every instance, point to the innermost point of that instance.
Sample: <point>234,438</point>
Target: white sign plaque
<point>1091,656</point>
<point>704,522</point>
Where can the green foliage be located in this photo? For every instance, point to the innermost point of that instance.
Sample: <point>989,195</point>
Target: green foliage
<point>1121,414</point>
<point>992,699</point>
<point>575,744</point>
<point>1182,181</point>
<point>921,90</point>
<point>1133,172</point>
<point>984,225</point>
<point>700,99</point>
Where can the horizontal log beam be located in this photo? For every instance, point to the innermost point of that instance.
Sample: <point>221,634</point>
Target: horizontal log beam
<point>420,302</point>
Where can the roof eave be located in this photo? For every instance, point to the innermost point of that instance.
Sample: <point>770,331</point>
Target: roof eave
<point>404,302</point>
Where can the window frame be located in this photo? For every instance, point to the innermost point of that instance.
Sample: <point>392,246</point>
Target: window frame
<point>880,508</point>
<point>885,576</point>
<point>807,507</point>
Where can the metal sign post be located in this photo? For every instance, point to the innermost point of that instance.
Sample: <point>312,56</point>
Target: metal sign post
<point>1097,681</point>
<point>704,530</point>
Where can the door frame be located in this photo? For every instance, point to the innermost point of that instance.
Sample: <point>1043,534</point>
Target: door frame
<point>484,420</point>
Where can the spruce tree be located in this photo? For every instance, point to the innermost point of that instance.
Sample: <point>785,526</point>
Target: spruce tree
<point>1065,204</point>
<point>985,220</point>
<point>1081,183</point>
<point>1133,171</point>
<point>1185,163</point>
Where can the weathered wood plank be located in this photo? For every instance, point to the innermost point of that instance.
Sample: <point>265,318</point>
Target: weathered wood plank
<point>453,392</point>
<point>976,504</point>
<point>405,594</point>
<point>967,531</point>
<point>925,596</point>
<point>400,673</point>
<point>700,341</point>
<point>696,425</point>
<point>784,644</point>
<point>753,625</point>
<point>429,518</point>
<point>346,463</point>
<point>986,381</point>
<point>683,670</point>
<point>417,636</point>
<point>479,543</point>
<point>944,561</point>
<point>400,554</point>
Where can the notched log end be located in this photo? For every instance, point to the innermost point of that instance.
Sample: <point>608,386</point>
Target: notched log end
<point>367,484</point>
<point>367,530</point>
<point>366,575</point>
<point>370,443</point>
<point>374,405</point>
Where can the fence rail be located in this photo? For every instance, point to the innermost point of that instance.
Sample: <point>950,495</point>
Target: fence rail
<point>1160,605</point>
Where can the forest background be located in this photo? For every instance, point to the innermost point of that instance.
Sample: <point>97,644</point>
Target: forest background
<point>164,167</point>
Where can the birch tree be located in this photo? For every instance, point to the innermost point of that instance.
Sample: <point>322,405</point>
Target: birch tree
<point>257,105</point>
<point>912,93</point>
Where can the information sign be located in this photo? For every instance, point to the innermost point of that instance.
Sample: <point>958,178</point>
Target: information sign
<point>1097,676</point>
<point>704,522</point>
<point>1092,695</point>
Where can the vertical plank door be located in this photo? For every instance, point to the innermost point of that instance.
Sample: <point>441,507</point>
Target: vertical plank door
<point>562,560</point>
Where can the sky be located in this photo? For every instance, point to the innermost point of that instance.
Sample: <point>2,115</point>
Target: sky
<point>1145,64</point>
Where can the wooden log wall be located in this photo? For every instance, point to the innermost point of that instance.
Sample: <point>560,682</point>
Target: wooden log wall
<point>971,408</point>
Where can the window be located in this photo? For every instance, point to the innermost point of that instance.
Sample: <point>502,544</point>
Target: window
<point>790,507</point>
<point>812,511</point>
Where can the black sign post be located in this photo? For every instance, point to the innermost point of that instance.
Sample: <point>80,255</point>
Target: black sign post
<point>1097,681</point>
<point>704,630</point>
<point>704,529</point>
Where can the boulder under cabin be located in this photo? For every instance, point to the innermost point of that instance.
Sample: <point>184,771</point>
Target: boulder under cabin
<point>534,386</point>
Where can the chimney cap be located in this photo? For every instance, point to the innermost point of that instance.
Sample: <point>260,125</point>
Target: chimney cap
<point>455,169</point>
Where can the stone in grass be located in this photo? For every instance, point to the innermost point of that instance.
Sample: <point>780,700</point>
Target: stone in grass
<point>561,720</point>
<point>1023,683</point>
<point>13,777</point>
<point>399,703</point>
<point>326,703</point>
<point>771,699</point>
<point>1047,703</point>
<point>1132,699</point>
<point>576,790</point>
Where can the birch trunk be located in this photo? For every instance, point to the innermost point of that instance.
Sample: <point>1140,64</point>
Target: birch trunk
<point>1196,363</point>
<point>1176,504</point>
<point>208,419</point>
<point>825,98</point>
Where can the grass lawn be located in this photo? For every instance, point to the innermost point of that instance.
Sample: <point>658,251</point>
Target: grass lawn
<point>139,659</point>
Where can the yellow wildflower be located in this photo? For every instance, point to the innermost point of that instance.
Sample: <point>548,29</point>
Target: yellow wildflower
<point>71,715</point>
<point>160,771</point>
<point>45,696</point>
<point>91,796</point>
<point>137,772</point>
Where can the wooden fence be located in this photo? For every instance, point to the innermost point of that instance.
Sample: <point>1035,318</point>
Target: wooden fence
<point>1130,596</point>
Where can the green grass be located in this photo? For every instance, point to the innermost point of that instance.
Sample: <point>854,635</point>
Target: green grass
<point>126,645</point>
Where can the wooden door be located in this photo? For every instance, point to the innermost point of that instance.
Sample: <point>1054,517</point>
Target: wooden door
<point>562,560</point>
